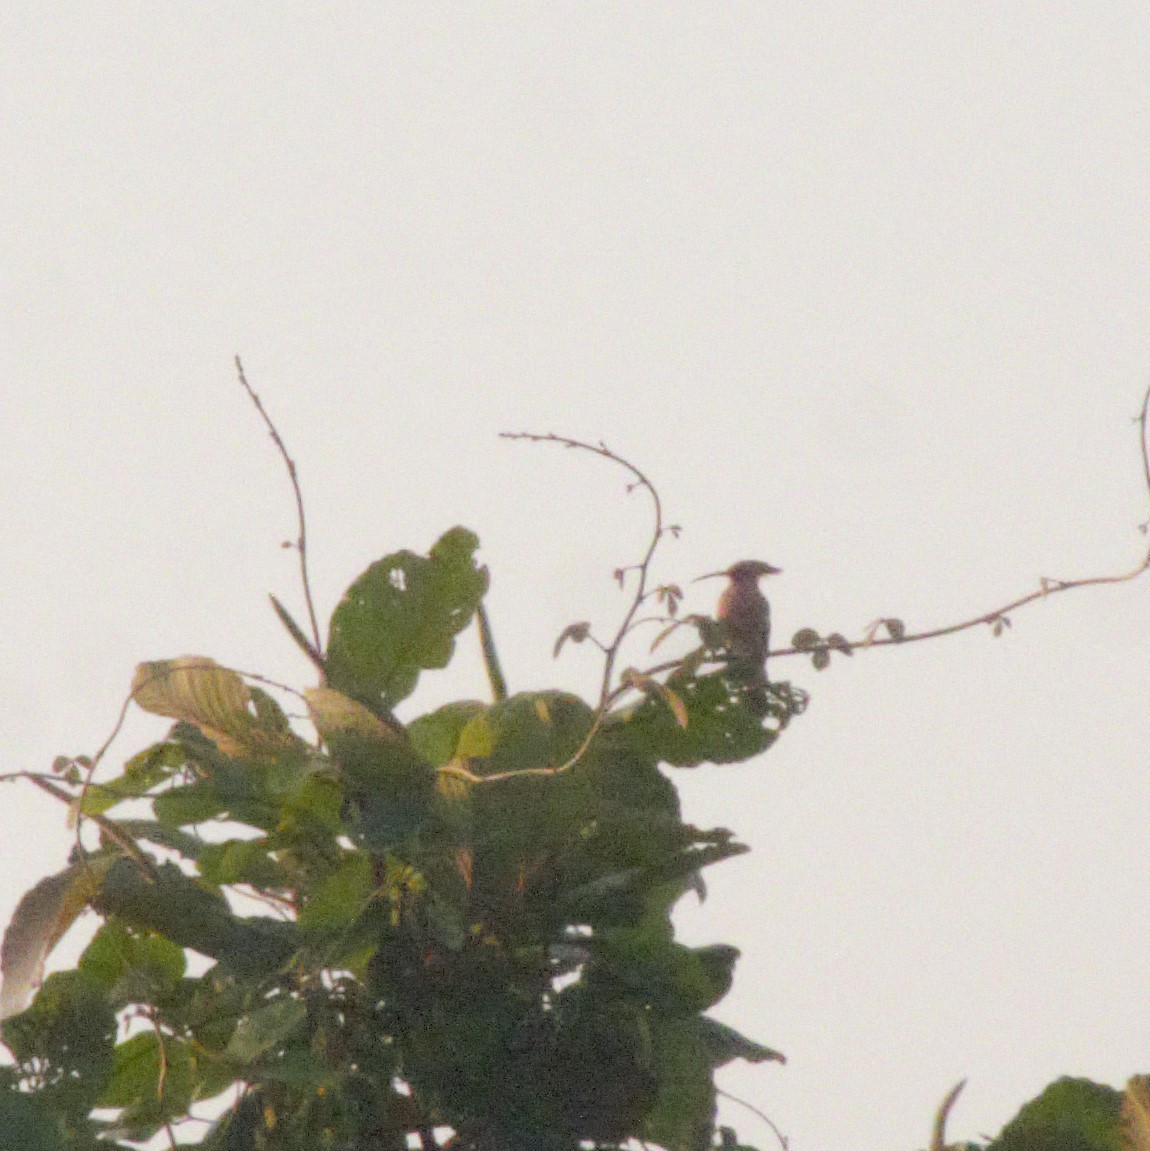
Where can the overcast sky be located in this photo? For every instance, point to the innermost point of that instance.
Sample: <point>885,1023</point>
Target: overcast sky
<point>864,288</point>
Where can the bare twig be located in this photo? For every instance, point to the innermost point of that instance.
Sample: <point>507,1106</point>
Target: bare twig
<point>108,826</point>
<point>301,541</point>
<point>997,618</point>
<point>642,570</point>
<point>783,1143</point>
<point>1047,588</point>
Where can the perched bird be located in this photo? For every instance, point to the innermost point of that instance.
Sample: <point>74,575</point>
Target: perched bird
<point>745,616</point>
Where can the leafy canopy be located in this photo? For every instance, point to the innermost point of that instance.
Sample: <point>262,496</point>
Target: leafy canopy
<point>456,929</point>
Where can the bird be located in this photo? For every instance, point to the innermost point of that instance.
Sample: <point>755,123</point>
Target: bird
<point>745,617</point>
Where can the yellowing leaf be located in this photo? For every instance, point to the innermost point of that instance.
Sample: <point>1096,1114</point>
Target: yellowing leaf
<point>197,690</point>
<point>1136,1114</point>
<point>334,713</point>
<point>651,686</point>
<point>38,924</point>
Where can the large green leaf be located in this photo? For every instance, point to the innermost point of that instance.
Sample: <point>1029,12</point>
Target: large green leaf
<point>241,861</point>
<point>686,1053</point>
<point>724,1043</point>
<point>529,731</point>
<point>153,1080</point>
<point>436,735</point>
<point>65,1041</point>
<point>265,1028</point>
<point>27,1124</point>
<point>341,898</point>
<point>720,727</point>
<point>1070,1115</point>
<point>134,966</point>
<point>191,914</point>
<point>401,617</point>
<point>645,966</point>
<point>391,786</point>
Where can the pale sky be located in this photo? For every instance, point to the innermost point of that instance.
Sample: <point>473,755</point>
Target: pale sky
<point>864,288</point>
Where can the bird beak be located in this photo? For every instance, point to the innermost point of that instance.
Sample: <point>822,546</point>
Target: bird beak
<point>709,575</point>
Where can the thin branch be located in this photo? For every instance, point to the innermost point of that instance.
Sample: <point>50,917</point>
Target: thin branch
<point>1047,588</point>
<point>783,1143</point>
<point>76,802</point>
<point>611,651</point>
<point>108,826</point>
<point>301,542</point>
<point>88,776</point>
<point>997,616</point>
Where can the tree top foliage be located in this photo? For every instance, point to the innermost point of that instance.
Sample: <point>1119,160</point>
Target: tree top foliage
<point>322,927</point>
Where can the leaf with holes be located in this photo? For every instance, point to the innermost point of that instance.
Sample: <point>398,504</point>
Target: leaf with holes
<point>401,618</point>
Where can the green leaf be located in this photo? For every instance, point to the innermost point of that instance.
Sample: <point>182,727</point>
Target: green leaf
<point>241,861</point>
<point>65,1040</point>
<point>265,1028</point>
<point>152,831</point>
<point>719,727</point>
<point>191,914</point>
<point>436,735</point>
<point>687,1051</point>
<point>336,716</point>
<point>391,784</point>
<point>401,617</point>
<point>724,1043</point>
<point>153,1080</point>
<point>342,897</point>
<point>644,964</point>
<point>1070,1115</point>
<point>530,730</point>
<point>136,1072</point>
<point>27,1124</point>
<point>141,773</point>
<point>189,804</point>
<point>134,966</point>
